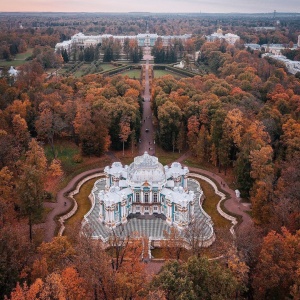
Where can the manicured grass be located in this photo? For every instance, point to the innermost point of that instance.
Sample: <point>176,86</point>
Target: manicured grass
<point>14,63</point>
<point>210,206</point>
<point>136,73</point>
<point>107,67</point>
<point>161,73</point>
<point>84,205</point>
<point>23,56</point>
<point>19,60</point>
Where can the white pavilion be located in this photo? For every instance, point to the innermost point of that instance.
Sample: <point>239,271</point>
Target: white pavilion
<point>146,198</point>
<point>146,188</point>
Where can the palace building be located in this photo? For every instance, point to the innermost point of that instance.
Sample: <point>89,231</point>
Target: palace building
<point>144,39</point>
<point>148,198</point>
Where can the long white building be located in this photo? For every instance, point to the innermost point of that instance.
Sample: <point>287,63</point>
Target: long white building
<point>143,39</point>
<point>230,38</point>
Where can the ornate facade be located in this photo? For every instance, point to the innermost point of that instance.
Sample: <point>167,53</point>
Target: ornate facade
<point>146,188</point>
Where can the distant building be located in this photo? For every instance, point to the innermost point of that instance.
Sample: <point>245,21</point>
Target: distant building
<point>273,48</point>
<point>144,39</point>
<point>264,28</point>
<point>293,67</point>
<point>228,37</point>
<point>13,72</point>
<point>253,46</point>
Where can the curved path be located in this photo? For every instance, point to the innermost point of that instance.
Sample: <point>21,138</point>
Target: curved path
<point>63,203</point>
<point>232,204</point>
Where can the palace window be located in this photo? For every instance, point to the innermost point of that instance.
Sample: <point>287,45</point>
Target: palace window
<point>137,208</point>
<point>146,197</point>
<point>155,208</point>
<point>146,208</point>
<point>155,197</point>
<point>137,197</point>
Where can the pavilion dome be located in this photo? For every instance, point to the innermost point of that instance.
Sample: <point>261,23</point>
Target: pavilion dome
<point>146,168</point>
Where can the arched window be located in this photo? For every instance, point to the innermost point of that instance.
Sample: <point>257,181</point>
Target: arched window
<point>155,197</point>
<point>137,197</point>
<point>146,197</point>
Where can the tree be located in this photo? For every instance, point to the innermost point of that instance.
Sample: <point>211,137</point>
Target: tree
<point>196,279</point>
<point>21,132</point>
<point>169,118</point>
<point>31,183</point>
<point>173,244</point>
<point>6,194</point>
<point>124,130</point>
<point>49,124</point>
<point>278,263</point>
<point>55,169</point>
<point>16,254</point>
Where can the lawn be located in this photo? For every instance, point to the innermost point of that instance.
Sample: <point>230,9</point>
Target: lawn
<point>84,205</point>
<point>23,56</point>
<point>161,73</point>
<point>19,60</point>
<point>65,152</point>
<point>107,67</point>
<point>210,206</point>
<point>14,63</point>
<point>136,73</point>
<point>166,157</point>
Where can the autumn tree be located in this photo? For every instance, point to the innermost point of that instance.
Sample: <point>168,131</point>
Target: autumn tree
<point>31,183</point>
<point>6,194</point>
<point>169,117</point>
<point>124,130</point>
<point>278,263</point>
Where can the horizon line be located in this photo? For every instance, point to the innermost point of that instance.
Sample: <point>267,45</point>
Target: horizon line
<point>147,12</point>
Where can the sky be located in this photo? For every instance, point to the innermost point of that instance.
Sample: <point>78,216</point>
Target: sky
<point>169,6</point>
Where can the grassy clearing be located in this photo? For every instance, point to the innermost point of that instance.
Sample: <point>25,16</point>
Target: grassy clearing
<point>23,56</point>
<point>19,60</point>
<point>84,205</point>
<point>65,152</point>
<point>135,74</point>
<point>14,63</point>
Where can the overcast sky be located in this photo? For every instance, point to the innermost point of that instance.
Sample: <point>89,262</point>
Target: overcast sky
<point>204,6</point>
